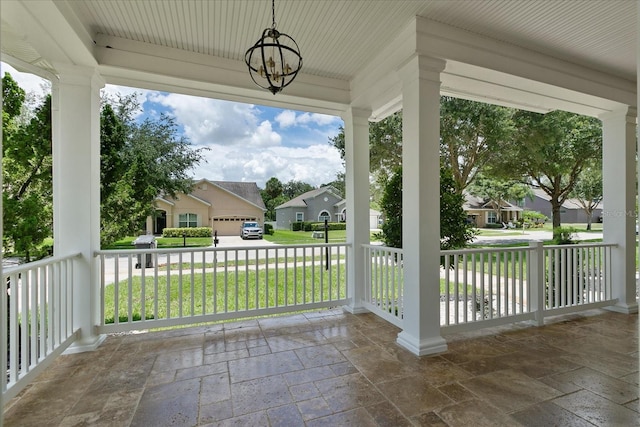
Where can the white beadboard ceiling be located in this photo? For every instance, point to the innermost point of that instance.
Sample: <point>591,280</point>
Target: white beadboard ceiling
<point>337,38</point>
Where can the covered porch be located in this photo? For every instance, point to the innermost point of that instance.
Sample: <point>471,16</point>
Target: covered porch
<point>330,368</point>
<point>409,53</point>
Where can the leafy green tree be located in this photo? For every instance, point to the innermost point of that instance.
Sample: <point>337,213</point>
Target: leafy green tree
<point>272,196</point>
<point>139,162</point>
<point>471,135</point>
<point>498,192</point>
<point>588,190</point>
<point>295,188</point>
<point>455,231</point>
<point>27,174</point>
<point>551,150</point>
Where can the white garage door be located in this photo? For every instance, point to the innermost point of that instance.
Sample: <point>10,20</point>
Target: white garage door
<point>229,226</point>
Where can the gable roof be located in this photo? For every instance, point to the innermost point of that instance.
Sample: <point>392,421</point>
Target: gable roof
<point>475,203</point>
<point>300,201</point>
<point>568,204</point>
<point>248,191</point>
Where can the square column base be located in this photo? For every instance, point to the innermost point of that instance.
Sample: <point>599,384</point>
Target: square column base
<point>85,345</point>
<point>355,309</point>
<point>623,308</point>
<point>423,347</point>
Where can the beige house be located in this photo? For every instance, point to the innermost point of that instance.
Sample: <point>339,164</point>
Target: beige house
<point>481,212</point>
<point>220,205</point>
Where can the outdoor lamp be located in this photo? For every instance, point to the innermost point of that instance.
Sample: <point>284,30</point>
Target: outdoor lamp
<point>274,60</point>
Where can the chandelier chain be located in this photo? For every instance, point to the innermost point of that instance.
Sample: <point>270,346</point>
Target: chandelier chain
<point>273,14</point>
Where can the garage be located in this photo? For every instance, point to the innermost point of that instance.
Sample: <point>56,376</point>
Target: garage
<point>229,226</point>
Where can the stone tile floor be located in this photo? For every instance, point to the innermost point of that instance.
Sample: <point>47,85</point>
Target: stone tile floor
<point>336,369</point>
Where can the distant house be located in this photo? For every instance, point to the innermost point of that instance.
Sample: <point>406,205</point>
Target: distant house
<point>221,205</point>
<point>314,205</point>
<point>480,211</point>
<point>570,211</point>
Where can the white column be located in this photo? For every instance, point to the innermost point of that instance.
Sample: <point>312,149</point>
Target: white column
<point>356,136</point>
<point>421,205</point>
<point>76,191</point>
<point>619,216</point>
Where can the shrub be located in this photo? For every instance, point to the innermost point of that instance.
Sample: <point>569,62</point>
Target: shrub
<point>268,229</point>
<point>564,235</point>
<point>187,231</point>
<point>297,226</point>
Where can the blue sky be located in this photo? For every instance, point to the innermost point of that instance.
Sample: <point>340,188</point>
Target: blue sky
<point>249,143</point>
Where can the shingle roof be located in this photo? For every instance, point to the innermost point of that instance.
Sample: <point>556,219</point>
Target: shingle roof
<point>246,190</point>
<point>299,201</point>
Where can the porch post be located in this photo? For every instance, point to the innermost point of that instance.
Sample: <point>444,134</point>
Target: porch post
<point>420,78</point>
<point>619,176</point>
<point>356,138</point>
<point>76,191</point>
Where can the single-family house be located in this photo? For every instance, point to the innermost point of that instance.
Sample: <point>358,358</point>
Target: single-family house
<point>571,211</point>
<point>481,211</point>
<point>221,205</point>
<point>315,205</point>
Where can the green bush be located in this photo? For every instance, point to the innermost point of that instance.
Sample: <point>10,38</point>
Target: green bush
<point>268,229</point>
<point>187,231</point>
<point>564,235</point>
<point>297,226</point>
<point>489,225</point>
<point>319,226</point>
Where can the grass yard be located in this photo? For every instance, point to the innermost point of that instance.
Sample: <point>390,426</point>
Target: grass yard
<point>244,291</point>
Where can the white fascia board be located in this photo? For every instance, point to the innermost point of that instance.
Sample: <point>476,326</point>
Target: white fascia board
<point>446,42</point>
<point>52,30</point>
<point>155,67</point>
<point>162,199</point>
<point>198,199</point>
<point>486,70</point>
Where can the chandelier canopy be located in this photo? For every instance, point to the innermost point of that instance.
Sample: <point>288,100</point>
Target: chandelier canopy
<point>274,60</point>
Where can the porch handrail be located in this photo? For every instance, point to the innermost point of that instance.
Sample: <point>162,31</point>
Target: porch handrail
<point>482,287</point>
<point>184,286</point>
<point>38,298</point>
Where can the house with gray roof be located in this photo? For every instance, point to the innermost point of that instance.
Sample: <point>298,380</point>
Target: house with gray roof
<point>221,205</point>
<point>314,205</point>
<point>571,212</point>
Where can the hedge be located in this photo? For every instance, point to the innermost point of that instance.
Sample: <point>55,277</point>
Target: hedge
<point>187,231</point>
<point>268,229</point>
<point>317,226</point>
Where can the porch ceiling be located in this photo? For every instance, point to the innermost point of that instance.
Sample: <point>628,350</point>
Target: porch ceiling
<point>198,47</point>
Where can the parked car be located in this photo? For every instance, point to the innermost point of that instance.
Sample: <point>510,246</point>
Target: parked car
<point>250,229</point>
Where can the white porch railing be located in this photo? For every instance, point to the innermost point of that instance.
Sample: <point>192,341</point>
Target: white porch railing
<point>385,276</point>
<point>38,298</point>
<point>187,286</point>
<point>487,287</point>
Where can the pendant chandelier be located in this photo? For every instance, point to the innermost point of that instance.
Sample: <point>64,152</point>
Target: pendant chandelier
<point>274,60</point>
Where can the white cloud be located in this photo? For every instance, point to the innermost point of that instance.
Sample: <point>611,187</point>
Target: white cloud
<point>30,83</point>
<point>289,118</point>
<point>316,164</point>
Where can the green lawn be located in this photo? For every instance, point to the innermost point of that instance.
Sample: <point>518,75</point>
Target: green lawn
<point>244,291</point>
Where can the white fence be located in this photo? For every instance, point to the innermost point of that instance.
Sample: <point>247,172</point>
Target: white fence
<point>39,315</point>
<point>187,286</point>
<point>492,286</point>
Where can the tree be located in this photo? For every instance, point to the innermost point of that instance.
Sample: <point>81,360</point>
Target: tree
<point>455,231</point>
<point>588,190</point>
<point>27,174</point>
<point>471,135</point>
<point>295,188</point>
<point>498,192</point>
<point>272,196</point>
<point>551,150</point>
<point>139,162</point>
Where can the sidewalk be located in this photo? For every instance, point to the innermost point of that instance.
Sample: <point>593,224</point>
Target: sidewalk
<point>518,236</point>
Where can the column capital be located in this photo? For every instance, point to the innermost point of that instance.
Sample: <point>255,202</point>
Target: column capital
<point>356,114</point>
<point>625,111</point>
<point>421,67</point>
<point>80,76</point>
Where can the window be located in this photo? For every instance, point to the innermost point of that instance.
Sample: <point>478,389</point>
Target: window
<point>187,220</point>
<point>299,216</point>
<point>324,215</point>
<point>492,218</point>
